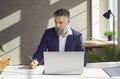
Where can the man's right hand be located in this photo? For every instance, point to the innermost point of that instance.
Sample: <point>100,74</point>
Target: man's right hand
<point>33,64</point>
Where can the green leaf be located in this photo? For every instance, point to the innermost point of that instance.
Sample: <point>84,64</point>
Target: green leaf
<point>109,54</point>
<point>1,48</point>
<point>109,33</point>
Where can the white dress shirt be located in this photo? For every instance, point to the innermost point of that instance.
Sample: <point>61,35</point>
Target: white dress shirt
<point>62,40</point>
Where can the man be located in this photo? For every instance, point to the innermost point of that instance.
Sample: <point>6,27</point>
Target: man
<point>59,38</point>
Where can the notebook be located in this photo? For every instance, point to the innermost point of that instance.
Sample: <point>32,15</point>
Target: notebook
<point>63,62</point>
<point>113,71</point>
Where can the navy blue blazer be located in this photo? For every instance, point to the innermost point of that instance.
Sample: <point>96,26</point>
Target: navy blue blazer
<point>50,42</point>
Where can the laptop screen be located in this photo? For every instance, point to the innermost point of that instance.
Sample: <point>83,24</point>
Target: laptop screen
<point>64,62</point>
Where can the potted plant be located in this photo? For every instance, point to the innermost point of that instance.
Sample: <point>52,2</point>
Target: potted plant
<point>109,54</point>
<point>4,61</point>
<point>109,34</point>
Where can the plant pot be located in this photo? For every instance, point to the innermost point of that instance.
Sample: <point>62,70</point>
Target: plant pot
<point>109,38</point>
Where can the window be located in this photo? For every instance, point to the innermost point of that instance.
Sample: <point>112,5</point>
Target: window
<point>113,8</point>
<point>99,23</point>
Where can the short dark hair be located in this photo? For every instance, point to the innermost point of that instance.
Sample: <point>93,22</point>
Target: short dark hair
<point>62,12</point>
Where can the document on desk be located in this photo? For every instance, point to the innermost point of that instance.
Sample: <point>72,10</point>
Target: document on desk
<point>113,71</point>
<point>22,70</point>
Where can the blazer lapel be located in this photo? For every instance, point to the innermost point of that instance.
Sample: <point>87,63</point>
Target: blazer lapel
<point>56,40</point>
<point>57,43</point>
<point>69,43</point>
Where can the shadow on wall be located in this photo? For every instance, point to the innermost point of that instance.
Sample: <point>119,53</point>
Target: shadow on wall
<point>22,23</point>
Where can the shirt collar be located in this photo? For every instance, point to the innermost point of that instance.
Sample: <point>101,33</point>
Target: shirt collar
<point>69,32</point>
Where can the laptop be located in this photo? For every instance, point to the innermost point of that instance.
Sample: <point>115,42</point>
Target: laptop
<point>64,62</point>
<point>113,71</point>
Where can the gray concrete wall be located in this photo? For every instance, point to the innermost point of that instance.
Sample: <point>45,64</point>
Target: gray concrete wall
<point>22,23</point>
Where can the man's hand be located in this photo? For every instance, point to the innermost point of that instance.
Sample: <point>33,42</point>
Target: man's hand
<point>33,64</point>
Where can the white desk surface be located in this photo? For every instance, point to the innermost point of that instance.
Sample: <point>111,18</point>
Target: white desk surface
<point>23,72</point>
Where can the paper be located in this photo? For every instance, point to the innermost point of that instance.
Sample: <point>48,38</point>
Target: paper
<point>22,70</point>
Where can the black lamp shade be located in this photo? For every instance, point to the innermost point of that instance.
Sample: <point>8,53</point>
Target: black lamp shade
<point>107,14</point>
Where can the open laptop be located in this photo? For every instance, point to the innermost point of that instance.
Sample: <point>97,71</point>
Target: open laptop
<point>64,62</point>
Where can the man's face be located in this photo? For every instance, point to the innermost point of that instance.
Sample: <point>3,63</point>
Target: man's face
<point>61,24</point>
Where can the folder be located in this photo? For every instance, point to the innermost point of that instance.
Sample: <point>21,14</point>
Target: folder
<point>113,71</point>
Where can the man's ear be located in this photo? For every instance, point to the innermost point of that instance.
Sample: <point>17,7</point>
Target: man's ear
<point>68,20</point>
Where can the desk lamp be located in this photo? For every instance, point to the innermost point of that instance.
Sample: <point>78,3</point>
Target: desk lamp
<point>107,16</point>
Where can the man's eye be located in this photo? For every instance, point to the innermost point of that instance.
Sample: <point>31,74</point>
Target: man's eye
<point>60,22</point>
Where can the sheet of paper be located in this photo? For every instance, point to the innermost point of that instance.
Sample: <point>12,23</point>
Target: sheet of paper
<point>22,70</point>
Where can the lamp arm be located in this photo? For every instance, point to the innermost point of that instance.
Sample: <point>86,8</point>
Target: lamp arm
<point>113,28</point>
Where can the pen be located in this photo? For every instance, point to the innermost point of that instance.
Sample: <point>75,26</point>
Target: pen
<point>30,58</point>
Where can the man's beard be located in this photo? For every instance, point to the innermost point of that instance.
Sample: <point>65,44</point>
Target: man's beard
<point>60,32</point>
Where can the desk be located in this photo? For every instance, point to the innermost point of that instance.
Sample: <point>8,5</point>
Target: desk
<point>23,72</point>
<point>94,43</point>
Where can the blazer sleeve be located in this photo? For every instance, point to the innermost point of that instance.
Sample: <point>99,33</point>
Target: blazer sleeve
<point>38,55</point>
<point>80,47</point>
